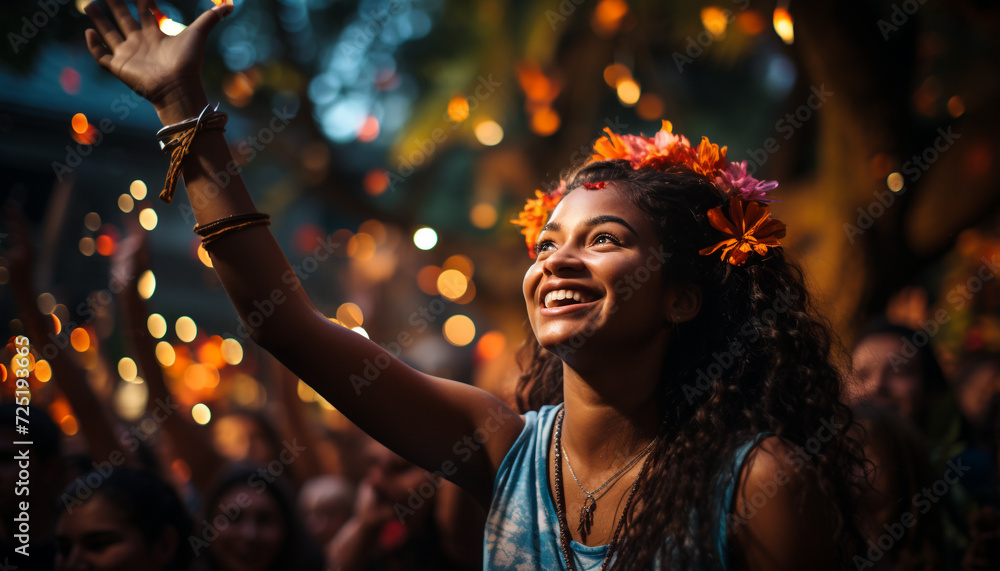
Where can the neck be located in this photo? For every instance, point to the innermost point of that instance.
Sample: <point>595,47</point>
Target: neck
<point>611,415</point>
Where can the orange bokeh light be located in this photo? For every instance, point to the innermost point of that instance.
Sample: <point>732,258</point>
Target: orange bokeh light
<point>80,123</point>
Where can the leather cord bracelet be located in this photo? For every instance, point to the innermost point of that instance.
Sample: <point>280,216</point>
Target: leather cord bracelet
<point>212,231</point>
<point>179,146</point>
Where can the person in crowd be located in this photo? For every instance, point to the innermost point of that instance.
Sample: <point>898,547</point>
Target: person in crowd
<point>676,361</point>
<point>249,523</point>
<point>122,519</point>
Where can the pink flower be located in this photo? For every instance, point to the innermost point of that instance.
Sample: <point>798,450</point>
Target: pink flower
<point>736,180</point>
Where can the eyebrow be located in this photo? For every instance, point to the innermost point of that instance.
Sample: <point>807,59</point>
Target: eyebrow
<point>600,219</point>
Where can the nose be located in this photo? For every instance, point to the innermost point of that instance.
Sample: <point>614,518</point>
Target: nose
<point>565,259</point>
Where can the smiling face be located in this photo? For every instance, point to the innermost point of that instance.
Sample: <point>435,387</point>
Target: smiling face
<point>886,377</point>
<point>97,535</point>
<point>597,275</point>
<point>252,539</point>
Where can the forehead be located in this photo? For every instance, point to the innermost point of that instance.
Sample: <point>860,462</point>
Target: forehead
<point>583,203</point>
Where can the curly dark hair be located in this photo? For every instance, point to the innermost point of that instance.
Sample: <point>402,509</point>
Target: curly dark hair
<point>757,358</point>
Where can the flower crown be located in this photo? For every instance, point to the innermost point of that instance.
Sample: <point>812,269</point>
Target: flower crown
<point>748,222</point>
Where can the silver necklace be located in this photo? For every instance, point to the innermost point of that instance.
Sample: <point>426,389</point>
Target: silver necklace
<point>590,503</point>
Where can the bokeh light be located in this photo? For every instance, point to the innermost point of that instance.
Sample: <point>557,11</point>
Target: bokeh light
<point>157,325</point>
<point>186,329</point>
<point>425,238</point>
<point>201,413</point>
<point>489,133</point>
<point>137,189</point>
<point>459,330</point>
<point>147,218</point>
<point>147,284</point>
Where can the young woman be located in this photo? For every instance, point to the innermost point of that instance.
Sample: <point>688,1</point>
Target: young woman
<point>130,519</point>
<point>694,386</point>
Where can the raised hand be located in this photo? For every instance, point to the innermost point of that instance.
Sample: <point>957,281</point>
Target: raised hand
<point>163,69</point>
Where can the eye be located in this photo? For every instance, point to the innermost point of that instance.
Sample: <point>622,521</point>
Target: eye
<point>541,246</point>
<point>606,238</point>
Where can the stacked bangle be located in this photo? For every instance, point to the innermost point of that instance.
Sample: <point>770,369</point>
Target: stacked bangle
<point>212,231</point>
<point>175,140</point>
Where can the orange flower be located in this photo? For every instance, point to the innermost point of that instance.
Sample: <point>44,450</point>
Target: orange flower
<point>610,147</point>
<point>709,158</point>
<point>536,213</point>
<point>751,227</point>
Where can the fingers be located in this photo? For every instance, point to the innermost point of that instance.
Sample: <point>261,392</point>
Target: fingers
<point>123,16</point>
<point>97,49</point>
<point>147,10</point>
<point>108,33</point>
<point>210,18</point>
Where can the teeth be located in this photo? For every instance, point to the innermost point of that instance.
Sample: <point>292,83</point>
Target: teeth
<point>561,294</point>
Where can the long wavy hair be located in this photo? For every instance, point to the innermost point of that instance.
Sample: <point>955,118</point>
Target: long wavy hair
<point>757,358</point>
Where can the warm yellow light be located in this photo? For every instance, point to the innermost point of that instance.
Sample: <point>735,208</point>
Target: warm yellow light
<point>895,182</point>
<point>349,314</point>
<point>545,122</point>
<point>204,257</point>
<point>452,284</point>
<point>138,189</point>
<point>79,339</point>
<point>43,371</point>
<point>361,247</point>
<point>68,425</point>
<point>714,20</point>
<point>305,392</point>
<point>147,284</point>
<point>615,73</point>
<point>458,109</point>
<point>130,400</point>
<point>186,329</point>
<point>232,351</point>
<point>460,263</point>
<point>165,353</point>
<point>201,413</point>
<point>157,325</point>
<point>92,221</point>
<point>783,25</point>
<point>459,330</point>
<point>125,203</point>
<point>147,218</point>
<point>87,246</point>
<point>489,132</point>
<point>127,369</point>
<point>46,303</point>
<point>483,215</point>
<point>628,92</point>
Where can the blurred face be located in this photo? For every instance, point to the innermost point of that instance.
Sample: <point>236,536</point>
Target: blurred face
<point>324,515</point>
<point>252,539</point>
<point>392,476</point>
<point>886,377</point>
<point>97,536</point>
<point>598,274</point>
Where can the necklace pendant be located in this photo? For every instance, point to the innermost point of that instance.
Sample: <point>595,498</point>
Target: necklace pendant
<point>586,516</point>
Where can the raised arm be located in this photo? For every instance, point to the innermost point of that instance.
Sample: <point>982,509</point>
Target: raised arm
<point>191,442</point>
<point>443,426</point>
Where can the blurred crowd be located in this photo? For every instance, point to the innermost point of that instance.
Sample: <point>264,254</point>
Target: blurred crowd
<point>278,491</point>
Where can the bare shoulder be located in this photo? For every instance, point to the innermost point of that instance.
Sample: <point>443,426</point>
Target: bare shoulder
<point>780,517</point>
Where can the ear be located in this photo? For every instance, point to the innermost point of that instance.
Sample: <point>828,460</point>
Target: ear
<point>681,303</point>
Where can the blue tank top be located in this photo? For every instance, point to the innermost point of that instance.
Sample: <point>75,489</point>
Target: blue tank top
<point>522,528</point>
